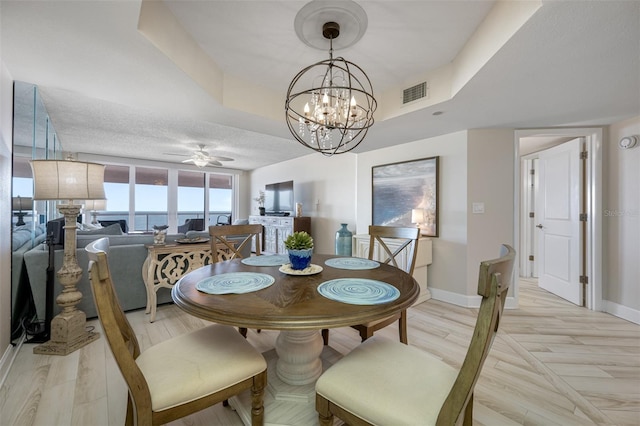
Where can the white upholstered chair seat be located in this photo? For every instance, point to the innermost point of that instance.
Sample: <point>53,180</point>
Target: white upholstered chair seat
<point>388,383</point>
<point>185,368</point>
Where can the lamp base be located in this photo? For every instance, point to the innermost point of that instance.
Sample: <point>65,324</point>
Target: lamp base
<point>20,216</point>
<point>68,334</point>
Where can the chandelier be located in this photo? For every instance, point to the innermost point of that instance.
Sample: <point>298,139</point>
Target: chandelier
<point>330,104</point>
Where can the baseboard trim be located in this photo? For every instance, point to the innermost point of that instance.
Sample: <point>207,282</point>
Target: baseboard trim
<point>465,301</point>
<point>8,358</point>
<point>621,311</point>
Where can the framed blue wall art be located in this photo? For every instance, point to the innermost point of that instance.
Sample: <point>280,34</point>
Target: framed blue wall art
<point>406,191</point>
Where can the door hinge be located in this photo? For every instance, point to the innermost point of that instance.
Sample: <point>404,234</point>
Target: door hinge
<point>531,257</point>
<point>584,279</point>
<point>583,217</point>
<point>531,214</point>
<point>532,171</point>
<point>584,155</point>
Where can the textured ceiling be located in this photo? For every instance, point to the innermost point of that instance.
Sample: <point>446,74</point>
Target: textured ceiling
<point>111,90</point>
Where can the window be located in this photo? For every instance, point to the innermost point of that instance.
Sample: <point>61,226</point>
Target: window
<point>150,198</point>
<point>190,195</point>
<point>220,198</point>
<point>116,190</point>
<point>22,182</point>
<point>141,196</point>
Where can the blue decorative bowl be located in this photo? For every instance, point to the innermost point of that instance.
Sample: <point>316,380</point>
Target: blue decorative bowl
<point>300,259</point>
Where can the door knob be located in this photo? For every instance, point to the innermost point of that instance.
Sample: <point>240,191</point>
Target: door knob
<point>539,226</point>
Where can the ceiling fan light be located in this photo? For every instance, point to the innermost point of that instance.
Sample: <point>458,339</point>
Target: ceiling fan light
<point>200,162</point>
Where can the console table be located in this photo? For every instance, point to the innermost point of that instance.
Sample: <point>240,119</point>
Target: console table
<point>424,258</point>
<point>166,264</point>
<point>277,229</point>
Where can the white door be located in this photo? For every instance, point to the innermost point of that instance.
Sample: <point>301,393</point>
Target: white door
<point>558,218</point>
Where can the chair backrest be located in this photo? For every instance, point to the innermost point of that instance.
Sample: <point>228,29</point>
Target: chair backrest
<point>115,326</point>
<point>191,225</point>
<point>223,247</point>
<point>223,219</point>
<point>407,236</point>
<point>121,222</point>
<point>494,280</point>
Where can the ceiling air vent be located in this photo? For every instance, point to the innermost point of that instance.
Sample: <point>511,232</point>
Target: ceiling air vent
<point>414,93</point>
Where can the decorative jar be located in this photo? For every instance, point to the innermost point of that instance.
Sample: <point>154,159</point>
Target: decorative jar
<point>343,241</point>
<point>159,234</point>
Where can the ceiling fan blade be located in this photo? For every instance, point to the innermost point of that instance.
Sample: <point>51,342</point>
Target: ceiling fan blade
<point>173,153</point>
<point>190,160</point>
<point>216,158</point>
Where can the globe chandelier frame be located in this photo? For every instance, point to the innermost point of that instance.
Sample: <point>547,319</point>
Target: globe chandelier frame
<point>330,104</point>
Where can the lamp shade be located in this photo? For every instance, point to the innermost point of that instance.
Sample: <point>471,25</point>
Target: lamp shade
<point>22,203</point>
<point>95,205</point>
<point>67,180</point>
<point>417,216</point>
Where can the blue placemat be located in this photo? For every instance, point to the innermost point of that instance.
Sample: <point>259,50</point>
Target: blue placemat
<point>235,283</point>
<point>351,263</point>
<point>273,260</point>
<point>358,291</point>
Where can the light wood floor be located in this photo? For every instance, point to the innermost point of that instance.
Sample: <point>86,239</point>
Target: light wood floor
<point>552,364</point>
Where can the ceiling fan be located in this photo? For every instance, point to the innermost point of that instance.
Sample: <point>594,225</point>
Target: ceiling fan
<point>201,158</point>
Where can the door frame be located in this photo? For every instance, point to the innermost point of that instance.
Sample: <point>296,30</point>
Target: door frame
<point>592,201</point>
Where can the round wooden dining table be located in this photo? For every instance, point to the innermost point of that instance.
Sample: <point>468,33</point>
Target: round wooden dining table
<point>293,305</point>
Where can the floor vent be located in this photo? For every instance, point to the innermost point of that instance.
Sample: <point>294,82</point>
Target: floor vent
<point>414,93</point>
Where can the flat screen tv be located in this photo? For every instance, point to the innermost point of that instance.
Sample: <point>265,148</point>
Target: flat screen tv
<point>279,198</point>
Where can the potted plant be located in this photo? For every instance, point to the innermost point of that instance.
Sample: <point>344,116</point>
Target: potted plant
<point>300,247</point>
<point>260,200</point>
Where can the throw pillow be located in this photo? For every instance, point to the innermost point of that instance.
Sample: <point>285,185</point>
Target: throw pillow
<point>107,230</point>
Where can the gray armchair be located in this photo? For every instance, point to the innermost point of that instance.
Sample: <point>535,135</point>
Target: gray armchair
<point>191,225</point>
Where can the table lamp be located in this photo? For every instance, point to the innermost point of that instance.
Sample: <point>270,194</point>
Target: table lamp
<point>18,205</point>
<point>94,206</point>
<point>417,216</point>
<point>68,181</point>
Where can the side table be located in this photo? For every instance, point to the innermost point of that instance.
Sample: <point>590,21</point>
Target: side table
<point>166,264</point>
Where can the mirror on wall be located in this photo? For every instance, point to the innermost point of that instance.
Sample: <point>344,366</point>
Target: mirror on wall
<point>33,138</point>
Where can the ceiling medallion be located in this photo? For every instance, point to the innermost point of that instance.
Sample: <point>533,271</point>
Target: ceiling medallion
<point>330,104</point>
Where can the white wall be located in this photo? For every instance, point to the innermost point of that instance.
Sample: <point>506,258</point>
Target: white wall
<point>621,222</point>
<point>326,187</point>
<point>6,117</point>
<point>490,180</point>
<point>446,275</point>
<point>474,166</point>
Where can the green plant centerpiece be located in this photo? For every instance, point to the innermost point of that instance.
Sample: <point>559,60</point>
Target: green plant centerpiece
<point>300,247</point>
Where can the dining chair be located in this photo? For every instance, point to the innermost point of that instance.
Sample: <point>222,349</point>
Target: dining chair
<point>229,241</point>
<point>408,246</point>
<point>166,381</point>
<point>384,382</point>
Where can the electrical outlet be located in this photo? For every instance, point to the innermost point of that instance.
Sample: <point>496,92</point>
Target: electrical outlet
<point>478,208</point>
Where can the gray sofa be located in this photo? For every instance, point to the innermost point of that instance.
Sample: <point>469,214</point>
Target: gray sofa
<point>24,238</point>
<point>126,256</point>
